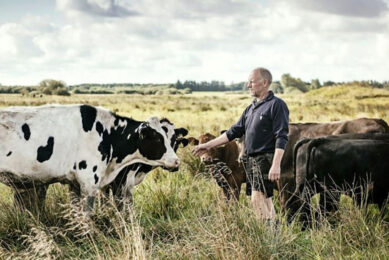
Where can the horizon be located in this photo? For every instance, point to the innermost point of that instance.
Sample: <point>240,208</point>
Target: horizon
<point>105,41</point>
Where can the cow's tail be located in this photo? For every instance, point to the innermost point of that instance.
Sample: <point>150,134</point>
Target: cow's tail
<point>295,149</point>
<point>310,152</point>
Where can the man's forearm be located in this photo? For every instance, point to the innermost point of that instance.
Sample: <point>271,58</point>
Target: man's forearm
<point>278,153</point>
<point>222,139</point>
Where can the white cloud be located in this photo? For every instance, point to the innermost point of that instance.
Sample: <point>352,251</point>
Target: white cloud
<point>170,40</point>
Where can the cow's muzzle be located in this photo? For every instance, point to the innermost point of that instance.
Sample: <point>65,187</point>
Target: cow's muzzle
<point>172,164</point>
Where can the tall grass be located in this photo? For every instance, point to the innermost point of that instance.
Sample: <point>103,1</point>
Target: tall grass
<point>183,215</point>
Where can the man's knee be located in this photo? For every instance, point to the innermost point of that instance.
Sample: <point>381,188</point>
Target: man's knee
<point>257,197</point>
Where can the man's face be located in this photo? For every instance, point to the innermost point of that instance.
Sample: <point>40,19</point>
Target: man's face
<point>256,84</point>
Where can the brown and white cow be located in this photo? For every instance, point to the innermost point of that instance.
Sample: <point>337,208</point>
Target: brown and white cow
<point>230,179</point>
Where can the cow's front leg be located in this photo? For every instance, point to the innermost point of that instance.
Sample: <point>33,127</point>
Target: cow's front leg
<point>74,192</point>
<point>124,199</point>
<point>31,199</point>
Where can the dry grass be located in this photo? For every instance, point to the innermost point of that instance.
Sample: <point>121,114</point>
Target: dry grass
<point>183,215</point>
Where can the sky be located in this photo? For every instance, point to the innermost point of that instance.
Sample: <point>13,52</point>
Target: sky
<point>162,41</point>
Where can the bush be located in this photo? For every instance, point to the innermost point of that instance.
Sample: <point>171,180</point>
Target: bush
<point>53,87</point>
<point>62,92</point>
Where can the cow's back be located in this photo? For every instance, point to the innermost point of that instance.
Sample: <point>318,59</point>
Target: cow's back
<point>347,162</point>
<point>43,142</point>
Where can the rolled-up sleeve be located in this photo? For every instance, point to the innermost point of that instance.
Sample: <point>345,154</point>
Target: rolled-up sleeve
<point>238,129</point>
<point>280,124</point>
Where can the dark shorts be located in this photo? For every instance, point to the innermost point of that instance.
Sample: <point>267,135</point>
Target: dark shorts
<point>257,171</point>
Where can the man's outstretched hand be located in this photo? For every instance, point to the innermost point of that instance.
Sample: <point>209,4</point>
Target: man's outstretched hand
<point>200,149</point>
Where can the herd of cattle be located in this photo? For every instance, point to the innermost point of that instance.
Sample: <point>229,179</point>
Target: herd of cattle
<point>93,149</point>
<point>320,158</point>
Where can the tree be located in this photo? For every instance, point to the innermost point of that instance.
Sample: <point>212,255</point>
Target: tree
<point>288,81</point>
<point>53,87</point>
<point>179,85</point>
<point>276,87</point>
<point>328,83</point>
<point>315,84</point>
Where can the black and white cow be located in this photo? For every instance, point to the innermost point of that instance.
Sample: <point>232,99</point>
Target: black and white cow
<point>347,162</point>
<point>81,145</point>
<point>134,174</point>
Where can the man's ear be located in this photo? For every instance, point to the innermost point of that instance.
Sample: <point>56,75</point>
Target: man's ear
<point>266,83</point>
<point>193,141</point>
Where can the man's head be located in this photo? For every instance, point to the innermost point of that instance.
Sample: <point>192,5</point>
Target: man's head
<point>259,82</point>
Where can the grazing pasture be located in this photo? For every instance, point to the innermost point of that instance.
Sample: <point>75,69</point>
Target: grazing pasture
<point>182,215</point>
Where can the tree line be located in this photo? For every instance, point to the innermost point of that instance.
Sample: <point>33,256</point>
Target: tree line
<point>287,84</point>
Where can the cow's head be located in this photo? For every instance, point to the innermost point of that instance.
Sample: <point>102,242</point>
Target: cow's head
<point>155,146</point>
<point>212,154</point>
<point>174,135</point>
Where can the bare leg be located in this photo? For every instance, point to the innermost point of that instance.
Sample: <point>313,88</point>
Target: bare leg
<point>263,207</point>
<point>270,207</point>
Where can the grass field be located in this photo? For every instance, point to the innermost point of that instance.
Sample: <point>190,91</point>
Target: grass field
<point>182,215</point>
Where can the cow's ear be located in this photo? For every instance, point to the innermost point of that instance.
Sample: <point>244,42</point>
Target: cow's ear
<point>193,141</point>
<point>223,131</point>
<point>154,122</point>
<point>181,131</point>
<point>184,142</point>
<point>143,130</point>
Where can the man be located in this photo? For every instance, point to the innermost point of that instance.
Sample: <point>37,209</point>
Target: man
<point>265,126</point>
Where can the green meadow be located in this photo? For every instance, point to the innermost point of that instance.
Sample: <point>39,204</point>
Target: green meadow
<point>182,215</point>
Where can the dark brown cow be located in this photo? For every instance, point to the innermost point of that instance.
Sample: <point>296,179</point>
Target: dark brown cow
<point>297,131</point>
<point>230,179</point>
<point>342,163</point>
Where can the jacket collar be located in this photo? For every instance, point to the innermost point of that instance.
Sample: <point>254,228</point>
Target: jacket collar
<point>269,97</point>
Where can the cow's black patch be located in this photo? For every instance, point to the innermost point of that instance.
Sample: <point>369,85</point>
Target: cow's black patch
<point>151,145</point>
<point>88,117</point>
<point>74,166</point>
<point>26,131</point>
<point>8,154</point>
<point>116,144</point>
<point>165,120</point>
<point>44,152</point>
<point>145,168</point>
<point>119,182</point>
<point>99,128</point>
<point>181,131</point>
<point>82,165</point>
<point>94,168</point>
<point>96,178</point>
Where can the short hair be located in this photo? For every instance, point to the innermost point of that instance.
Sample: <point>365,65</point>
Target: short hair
<point>265,74</point>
